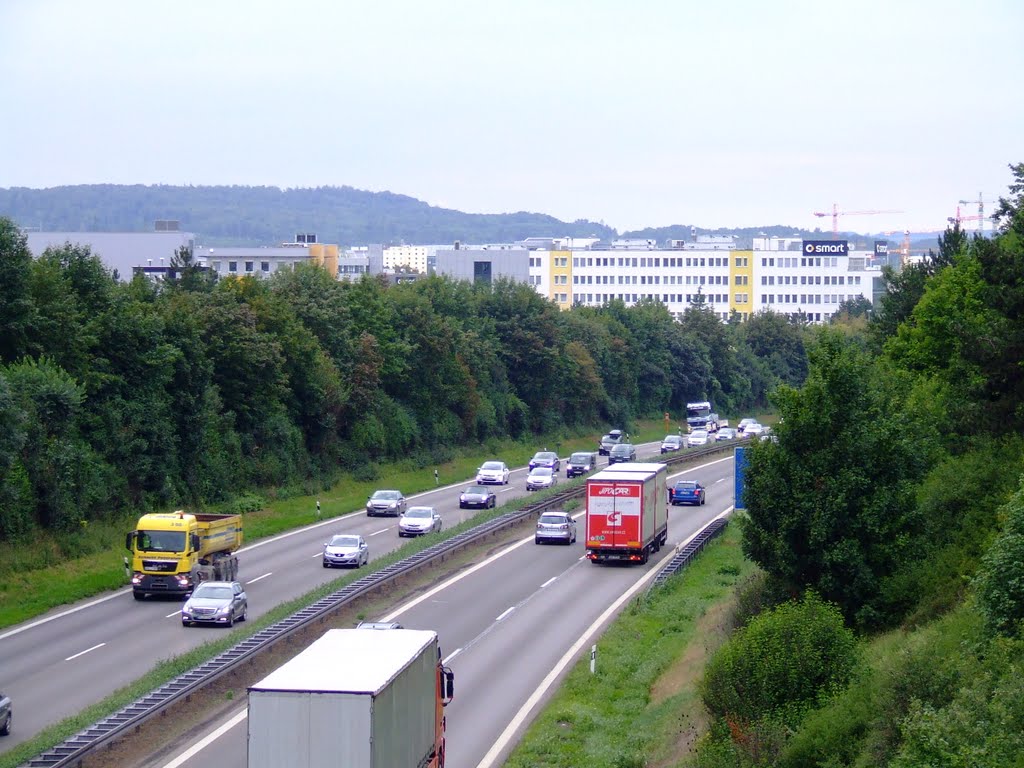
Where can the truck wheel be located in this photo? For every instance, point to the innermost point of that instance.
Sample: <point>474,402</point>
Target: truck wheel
<point>5,729</point>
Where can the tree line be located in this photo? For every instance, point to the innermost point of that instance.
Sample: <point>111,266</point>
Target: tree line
<point>130,396</point>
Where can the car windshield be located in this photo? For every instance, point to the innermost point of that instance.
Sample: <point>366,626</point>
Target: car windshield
<point>686,485</point>
<point>344,541</point>
<point>672,439</point>
<point>579,458</point>
<point>419,512</point>
<point>210,592</point>
<point>161,541</point>
<point>477,489</point>
<point>491,465</point>
<point>622,449</point>
<point>543,456</point>
<point>700,433</point>
<point>386,495</point>
<point>541,472</point>
<point>550,519</point>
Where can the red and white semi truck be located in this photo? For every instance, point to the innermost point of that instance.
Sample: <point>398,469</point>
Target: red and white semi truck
<point>627,512</point>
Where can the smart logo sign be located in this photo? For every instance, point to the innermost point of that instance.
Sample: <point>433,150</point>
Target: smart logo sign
<point>881,248</point>
<point>824,247</point>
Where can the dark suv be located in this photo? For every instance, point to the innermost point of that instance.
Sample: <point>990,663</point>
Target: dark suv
<point>610,440</point>
<point>621,453</point>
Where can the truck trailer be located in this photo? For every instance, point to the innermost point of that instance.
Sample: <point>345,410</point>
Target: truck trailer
<point>355,697</point>
<point>627,512</point>
<point>172,552</point>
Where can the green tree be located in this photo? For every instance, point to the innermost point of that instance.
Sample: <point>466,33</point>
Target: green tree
<point>831,504</point>
<point>16,309</point>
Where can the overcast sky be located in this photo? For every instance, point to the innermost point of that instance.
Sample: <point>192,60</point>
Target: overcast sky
<point>635,113</point>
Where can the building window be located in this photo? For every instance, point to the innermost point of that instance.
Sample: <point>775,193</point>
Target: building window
<point>264,266</point>
<point>482,271</point>
<point>232,266</point>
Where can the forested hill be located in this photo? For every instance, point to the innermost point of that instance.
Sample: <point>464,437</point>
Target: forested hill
<point>232,215</point>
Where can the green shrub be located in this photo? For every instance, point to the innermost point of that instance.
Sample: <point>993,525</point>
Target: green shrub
<point>782,662</point>
<point>366,472</point>
<point>1000,580</point>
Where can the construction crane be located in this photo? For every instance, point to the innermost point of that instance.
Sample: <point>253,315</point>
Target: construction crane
<point>980,218</point>
<point>836,213</point>
<point>958,219</point>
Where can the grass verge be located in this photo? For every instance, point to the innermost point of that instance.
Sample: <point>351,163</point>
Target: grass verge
<point>640,707</point>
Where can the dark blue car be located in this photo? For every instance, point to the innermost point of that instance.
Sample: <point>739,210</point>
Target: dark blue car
<point>686,492</point>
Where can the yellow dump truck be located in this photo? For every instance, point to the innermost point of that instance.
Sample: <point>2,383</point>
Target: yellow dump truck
<point>172,552</point>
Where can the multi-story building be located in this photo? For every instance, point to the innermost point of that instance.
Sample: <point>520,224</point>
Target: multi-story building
<point>796,277</point>
<point>407,258</point>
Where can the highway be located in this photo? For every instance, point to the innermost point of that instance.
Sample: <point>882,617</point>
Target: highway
<point>57,665</point>
<point>510,628</point>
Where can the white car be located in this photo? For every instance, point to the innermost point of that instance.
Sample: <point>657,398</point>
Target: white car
<point>419,520</point>
<point>744,423</point>
<point>697,437</point>
<point>726,433</point>
<point>541,478</point>
<point>754,430</point>
<point>492,472</point>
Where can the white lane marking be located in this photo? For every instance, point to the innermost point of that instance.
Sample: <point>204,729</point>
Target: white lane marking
<point>172,615</point>
<point>253,581</point>
<point>570,657</point>
<point>382,530</point>
<point>451,656</point>
<point>82,653</point>
<point>318,554</point>
<point>549,581</point>
<point>203,743</point>
<point>505,613</point>
<point>719,480</point>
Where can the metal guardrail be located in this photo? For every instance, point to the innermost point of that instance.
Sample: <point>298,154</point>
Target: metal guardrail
<point>75,749</point>
<point>685,556</point>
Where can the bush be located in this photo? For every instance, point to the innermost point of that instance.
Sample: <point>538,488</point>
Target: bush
<point>1000,580</point>
<point>781,663</point>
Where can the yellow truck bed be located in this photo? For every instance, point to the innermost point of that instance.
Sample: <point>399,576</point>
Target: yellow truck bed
<point>218,533</point>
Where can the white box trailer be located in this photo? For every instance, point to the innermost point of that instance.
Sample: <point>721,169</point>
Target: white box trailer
<point>355,697</point>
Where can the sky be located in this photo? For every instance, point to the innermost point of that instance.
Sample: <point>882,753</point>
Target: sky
<point>636,114</point>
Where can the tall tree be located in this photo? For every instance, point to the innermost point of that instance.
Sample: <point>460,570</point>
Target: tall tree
<point>831,504</point>
<point>16,309</point>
